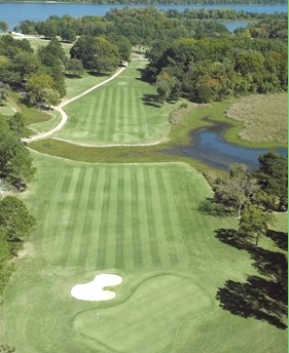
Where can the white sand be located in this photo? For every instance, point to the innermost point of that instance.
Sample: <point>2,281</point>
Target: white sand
<point>93,291</point>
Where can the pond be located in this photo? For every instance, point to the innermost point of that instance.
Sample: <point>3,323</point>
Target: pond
<point>208,145</point>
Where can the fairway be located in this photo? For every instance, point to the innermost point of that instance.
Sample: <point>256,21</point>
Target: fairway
<point>140,222</point>
<point>116,113</point>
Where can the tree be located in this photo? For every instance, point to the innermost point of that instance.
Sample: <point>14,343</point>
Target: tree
<point>237,190</point>
<point>74,67</point>
<point>67,34</point>
<point>37,86</point>
<point>4,87</point>
<point>16,222</point>
<point>3,26</point>
<point>164,85</point>
<point>16,164</point>
<point>273,177</point>
<point>96,53</point>
<point>17,124</point>
<point>254,222</point>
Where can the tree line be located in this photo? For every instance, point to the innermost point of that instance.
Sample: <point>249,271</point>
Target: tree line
<point>16,222</point>
<point>175,2</point>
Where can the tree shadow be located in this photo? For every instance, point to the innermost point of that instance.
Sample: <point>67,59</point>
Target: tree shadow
<point>232,237</point>
<point>212,208</point>
<point>151,100</point>
<point>257,298</point>
<point>262,298</point>
<point>280,238</point>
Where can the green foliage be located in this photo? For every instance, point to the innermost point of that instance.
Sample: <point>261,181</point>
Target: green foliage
<point>3,26</point>
<point>74,67</point>
<point>254,222</point>
<point>17,124</point>
<point>96,53</point>
<point>273,178</point>
<point>15,221</point>
<point>15,160</point>
<point>237,190</point>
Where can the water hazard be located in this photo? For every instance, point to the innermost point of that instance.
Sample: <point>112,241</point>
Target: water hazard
<point>208,145</point>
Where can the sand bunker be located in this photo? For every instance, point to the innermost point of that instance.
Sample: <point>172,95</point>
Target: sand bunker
<point>93,291</point>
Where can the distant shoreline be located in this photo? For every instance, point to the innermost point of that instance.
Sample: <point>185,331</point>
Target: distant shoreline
<point>176,2</point>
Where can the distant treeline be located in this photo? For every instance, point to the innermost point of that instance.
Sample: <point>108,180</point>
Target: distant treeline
<point>173,2</point>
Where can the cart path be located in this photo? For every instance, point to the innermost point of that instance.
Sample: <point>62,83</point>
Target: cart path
<point>44,135</point>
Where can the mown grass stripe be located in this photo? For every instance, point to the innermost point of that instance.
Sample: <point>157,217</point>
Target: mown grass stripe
<point>69,231</point>
<point>159,218</point>
<point>91,117</point>
<point>117,115</point>
<point>109,119</point>
<point>127,218</point>
<point>136,238</point>
<point>145,113</point>
<point>142,217</point>
<point>87,230</point>
<point>102,241</point>
<point>133,124</point>
<point>112,216</point>
<point>50,231</point>
<point>120,236</point>
<point>78,234</point>
<point>154,248</point>
<point>100,96</point>
<point>166,209</point>
<point>125,112</point>
<point>140,114</point>
<point>103,116</point>
<point>97,200</point>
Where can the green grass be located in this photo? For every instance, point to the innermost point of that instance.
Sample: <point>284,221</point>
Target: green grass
<point>140,221</point>
<point>47,125</point>
<point>32,115</point>
<point>115,113</point>
<point>7,108</point>
<point>77,85</point>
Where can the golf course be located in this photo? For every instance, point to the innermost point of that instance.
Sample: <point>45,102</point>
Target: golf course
<point>143,223</point>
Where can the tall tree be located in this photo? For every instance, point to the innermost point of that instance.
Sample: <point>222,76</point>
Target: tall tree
<point>16,222</point>
<point>273,177</point>
<point>237,190</point>
<point>254,222</point>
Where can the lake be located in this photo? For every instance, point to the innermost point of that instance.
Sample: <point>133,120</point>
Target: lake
<point>207,145</point>
<point>13,13</point>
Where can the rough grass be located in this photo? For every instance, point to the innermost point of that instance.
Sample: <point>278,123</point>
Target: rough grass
<point>265,118</point>
<point>137,221</point>
<point>32,115</point>
<point>124,111</point>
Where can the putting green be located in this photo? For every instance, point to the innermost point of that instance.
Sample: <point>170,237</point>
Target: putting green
<point>116,113</point>
<point>156,309</point>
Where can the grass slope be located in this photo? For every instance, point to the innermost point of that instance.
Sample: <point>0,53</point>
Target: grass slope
<point>141,222</point>
<point>116,114</point>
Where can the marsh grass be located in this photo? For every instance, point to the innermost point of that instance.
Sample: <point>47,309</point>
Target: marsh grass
<point>264,118</point>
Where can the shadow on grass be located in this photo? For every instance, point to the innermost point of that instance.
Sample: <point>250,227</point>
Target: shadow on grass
<point>264,299</point>
<point>256,298</point>
<point>212,208</point>
<point>279,238</point>
<point>151,100</point>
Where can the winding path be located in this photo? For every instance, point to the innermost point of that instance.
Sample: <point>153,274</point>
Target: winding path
<point>44,135</point>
